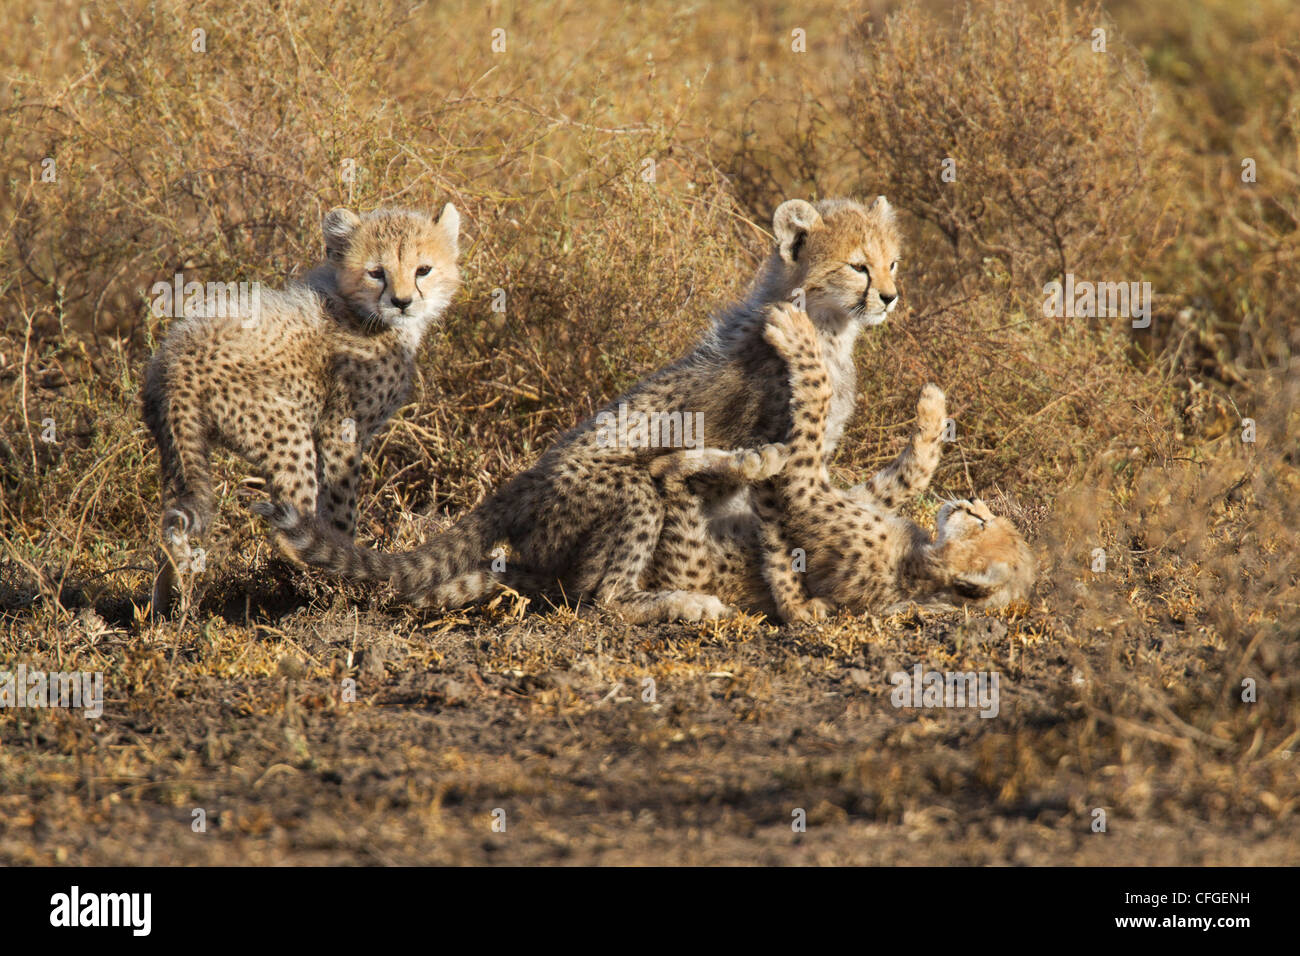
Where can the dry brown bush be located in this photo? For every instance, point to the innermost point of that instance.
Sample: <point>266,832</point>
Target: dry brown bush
<point>1053,166</point>
<point>1230,91</point>
<point>1196,606</point>
<point>1046,135</point>
<point>998,125</point>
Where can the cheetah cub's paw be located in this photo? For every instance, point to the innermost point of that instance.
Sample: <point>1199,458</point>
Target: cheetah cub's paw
<point>931,410</point>
<point>786,328</point>
<point>175,527</point>
<point>814,609</point>
<point>697,606</point>
<point>759,464</point>
<point>280,515</point>
<point>180,521</point>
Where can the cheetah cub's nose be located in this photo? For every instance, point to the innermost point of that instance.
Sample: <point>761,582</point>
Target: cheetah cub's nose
<point>401,303</point>
<point>887,298</point>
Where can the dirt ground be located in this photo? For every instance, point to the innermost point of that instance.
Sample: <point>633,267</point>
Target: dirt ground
<point>544,721</point>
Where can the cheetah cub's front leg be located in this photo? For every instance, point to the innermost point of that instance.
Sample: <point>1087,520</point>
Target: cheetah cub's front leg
<point>339,454</point>
<point>791,334</point>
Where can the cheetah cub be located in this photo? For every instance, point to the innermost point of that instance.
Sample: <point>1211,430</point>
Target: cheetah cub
<point>859,553</point>
<point>299,387</point>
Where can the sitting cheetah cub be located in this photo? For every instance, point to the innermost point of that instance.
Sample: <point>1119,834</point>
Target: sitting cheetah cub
<point>859,553</point>
<point>299,389</point>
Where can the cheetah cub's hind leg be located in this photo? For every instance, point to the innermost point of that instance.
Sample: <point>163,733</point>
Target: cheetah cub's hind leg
<point>185,481</point>
<point>742,465</point>
<point>639,530</point>
<point>909,474</point>
<point>687,554</point>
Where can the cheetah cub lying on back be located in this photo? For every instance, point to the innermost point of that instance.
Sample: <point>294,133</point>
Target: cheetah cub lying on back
<point>299,389</point>
<point>860,554</point>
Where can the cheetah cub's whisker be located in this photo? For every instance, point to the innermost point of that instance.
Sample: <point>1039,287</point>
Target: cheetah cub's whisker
<point>299,388</point>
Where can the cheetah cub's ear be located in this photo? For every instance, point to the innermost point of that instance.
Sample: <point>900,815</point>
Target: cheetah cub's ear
<point>449,222</point>
<point>880,207</point>
<point>793,220</point>
<point>338,227</point>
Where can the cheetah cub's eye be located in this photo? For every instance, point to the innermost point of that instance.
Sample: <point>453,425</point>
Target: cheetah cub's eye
<point>893,267</point>
<point>423,271</point>
<point>860,267</point>
<point>376,273</point>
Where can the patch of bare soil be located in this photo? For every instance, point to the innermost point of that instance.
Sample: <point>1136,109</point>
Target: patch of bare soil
<point>505,736</point>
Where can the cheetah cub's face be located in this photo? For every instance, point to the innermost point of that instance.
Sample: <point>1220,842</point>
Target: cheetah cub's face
<point>988,561</point>
<point>394,267</point>
<point>844,256</point>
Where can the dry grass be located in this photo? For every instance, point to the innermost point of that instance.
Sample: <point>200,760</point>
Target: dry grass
<point>1122,689</point>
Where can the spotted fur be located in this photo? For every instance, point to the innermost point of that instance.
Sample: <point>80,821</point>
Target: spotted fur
<point>299,389</point>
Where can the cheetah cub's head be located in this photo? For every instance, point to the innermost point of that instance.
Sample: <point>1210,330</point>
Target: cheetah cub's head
<point>844,256</point>
<point>392,266</point>
<point>984,559</point>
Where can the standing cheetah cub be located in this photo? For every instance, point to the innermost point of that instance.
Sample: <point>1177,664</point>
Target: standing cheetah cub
<point>299,389</point>
<point>859,553</point>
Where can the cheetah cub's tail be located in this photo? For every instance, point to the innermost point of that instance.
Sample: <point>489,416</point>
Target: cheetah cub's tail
<point>448,570</point>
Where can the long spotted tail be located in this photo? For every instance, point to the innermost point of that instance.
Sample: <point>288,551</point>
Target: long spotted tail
<point>451,569</point>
